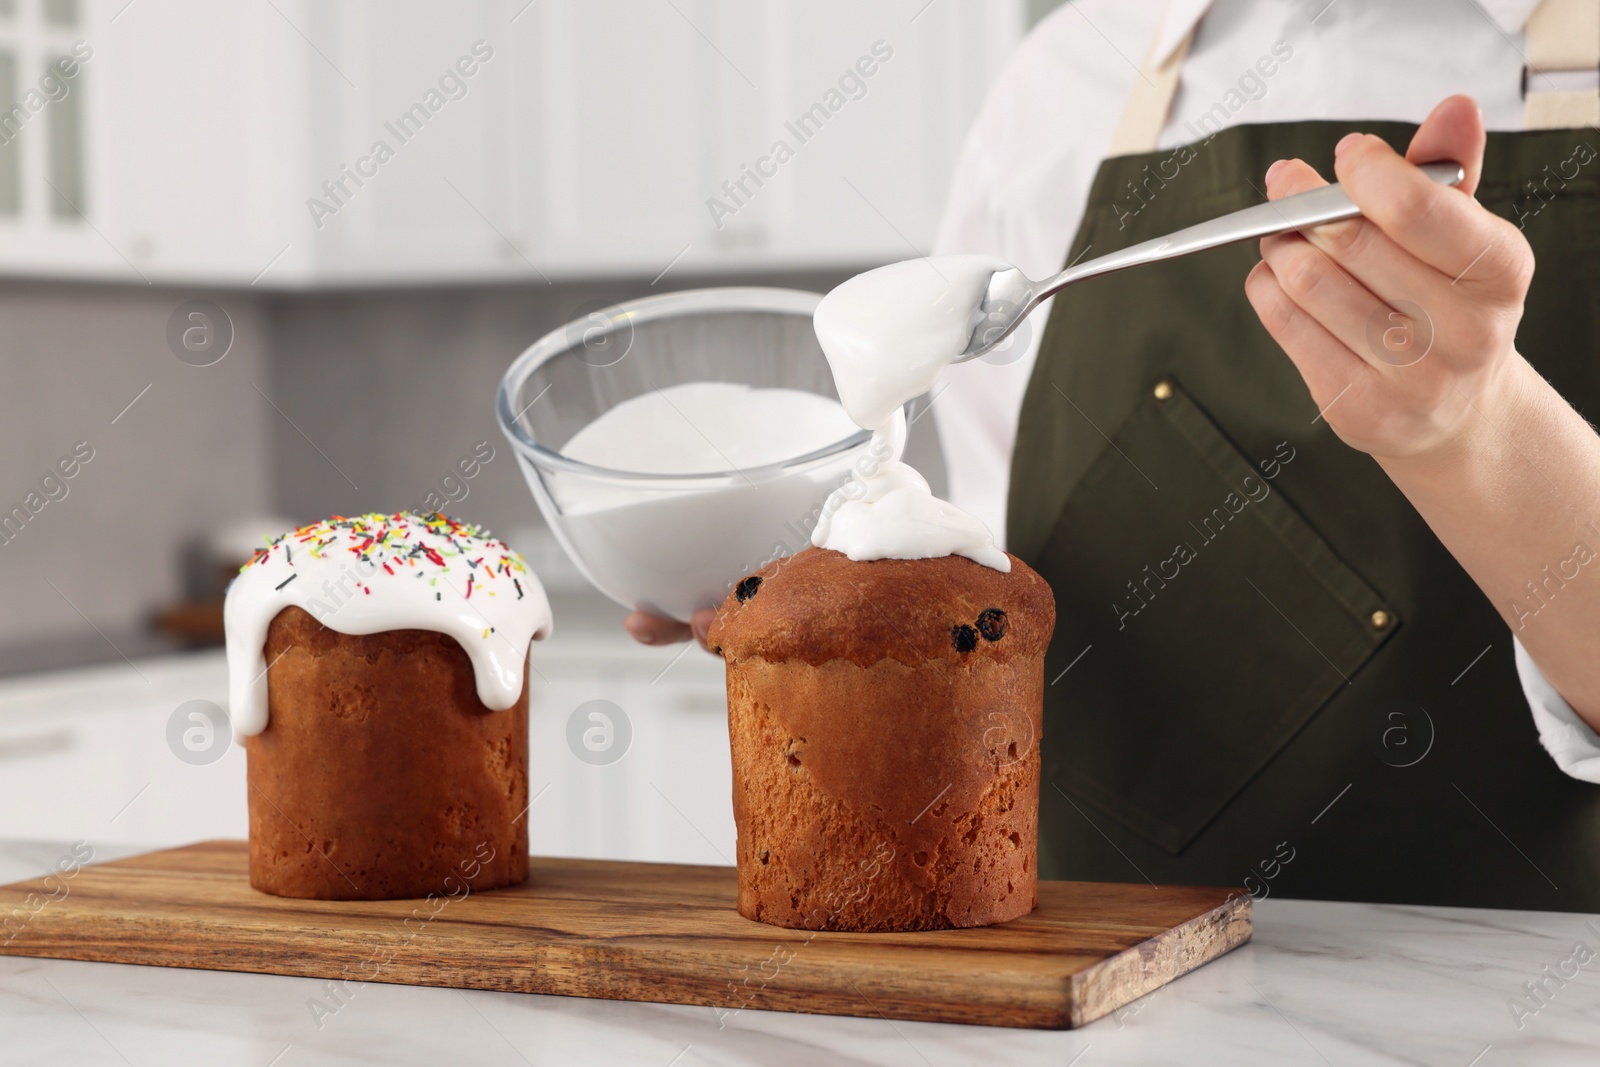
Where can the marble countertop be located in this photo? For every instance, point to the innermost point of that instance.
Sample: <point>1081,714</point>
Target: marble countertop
<point>1322,983</point>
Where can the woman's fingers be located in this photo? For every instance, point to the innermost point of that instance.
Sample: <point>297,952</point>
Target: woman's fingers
<point>1337,302</point>
<point>1390,308</point>
<point>1358,247</point>
<point>1328,366</point>
<point>1439,225</point>
<point>700,625</point>
<point>1352,301</point>
<point>1453,131</point>
<point>654,630</point>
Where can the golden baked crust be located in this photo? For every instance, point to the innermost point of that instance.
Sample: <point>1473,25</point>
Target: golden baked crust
<point>885,797</point>
<point>380,774</point>
<point>819,605</point>
<point>884,719</point>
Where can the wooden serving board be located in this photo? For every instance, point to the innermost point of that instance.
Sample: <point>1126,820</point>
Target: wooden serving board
<point>633,931</point>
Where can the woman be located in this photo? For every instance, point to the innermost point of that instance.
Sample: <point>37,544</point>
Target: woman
<point>1284,585</point>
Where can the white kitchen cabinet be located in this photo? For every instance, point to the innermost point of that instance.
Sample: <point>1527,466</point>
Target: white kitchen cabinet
<point>43,174</point>
<point>238,143</point>
<point>632,151</point>
<point>669,797</point>
<point>194,134</point>
<point>84,754</point>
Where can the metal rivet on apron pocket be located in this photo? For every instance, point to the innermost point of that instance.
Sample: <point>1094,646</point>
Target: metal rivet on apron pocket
<point>1163,390</point>
<point>1379,620</point>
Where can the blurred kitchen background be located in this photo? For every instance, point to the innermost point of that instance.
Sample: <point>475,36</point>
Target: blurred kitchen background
<point>541,159</point>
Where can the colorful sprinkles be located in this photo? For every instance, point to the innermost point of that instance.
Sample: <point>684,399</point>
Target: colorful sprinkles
<point>400,543</point>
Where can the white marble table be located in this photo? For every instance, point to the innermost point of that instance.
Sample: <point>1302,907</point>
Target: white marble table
<point>1321,983</point>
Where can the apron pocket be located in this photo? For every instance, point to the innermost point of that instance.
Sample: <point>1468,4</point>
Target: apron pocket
<point>1211,620</point>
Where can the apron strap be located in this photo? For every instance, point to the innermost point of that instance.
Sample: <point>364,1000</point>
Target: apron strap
<point>1151,100</point>
<point>1561,82</point>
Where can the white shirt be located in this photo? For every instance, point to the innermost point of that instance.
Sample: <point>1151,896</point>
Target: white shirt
<point>1025,169</point>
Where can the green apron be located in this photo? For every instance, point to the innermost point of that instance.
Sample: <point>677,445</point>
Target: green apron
<point>1266,669</point>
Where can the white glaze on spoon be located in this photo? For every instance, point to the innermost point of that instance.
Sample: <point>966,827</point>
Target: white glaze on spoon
<point>887,335</point>
<point>889,332</point>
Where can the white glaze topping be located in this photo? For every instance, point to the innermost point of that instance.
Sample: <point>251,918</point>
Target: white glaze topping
<point>888,334</point>
<point>887,511</point>
<point>375,573</point>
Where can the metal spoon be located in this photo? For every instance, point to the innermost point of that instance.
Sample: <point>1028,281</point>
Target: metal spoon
<point>1011,295</point>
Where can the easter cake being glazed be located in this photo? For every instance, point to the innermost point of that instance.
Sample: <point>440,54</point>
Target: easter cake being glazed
<point>886,686</point>
<point>884,718</point>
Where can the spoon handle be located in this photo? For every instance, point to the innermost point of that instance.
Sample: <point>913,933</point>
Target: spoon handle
<point>1314,208</point>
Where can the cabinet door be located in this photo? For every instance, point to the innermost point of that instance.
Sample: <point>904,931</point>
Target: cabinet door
<point>868,107</point>
<point>628,753</point>
<point>710,134</point>
<point>613,106</point>
<point>197,138</point>
<point>45,77</point>
<point>170,153</point>
<point>85,755</point>
<point>408,172</point>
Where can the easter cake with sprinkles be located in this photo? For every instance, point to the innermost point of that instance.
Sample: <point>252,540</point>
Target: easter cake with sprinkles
<point>377,673</point>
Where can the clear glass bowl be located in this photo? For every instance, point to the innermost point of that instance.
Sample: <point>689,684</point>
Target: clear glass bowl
<point>671,543</point>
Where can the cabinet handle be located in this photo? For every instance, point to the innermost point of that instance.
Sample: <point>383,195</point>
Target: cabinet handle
<point>25,745</point>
